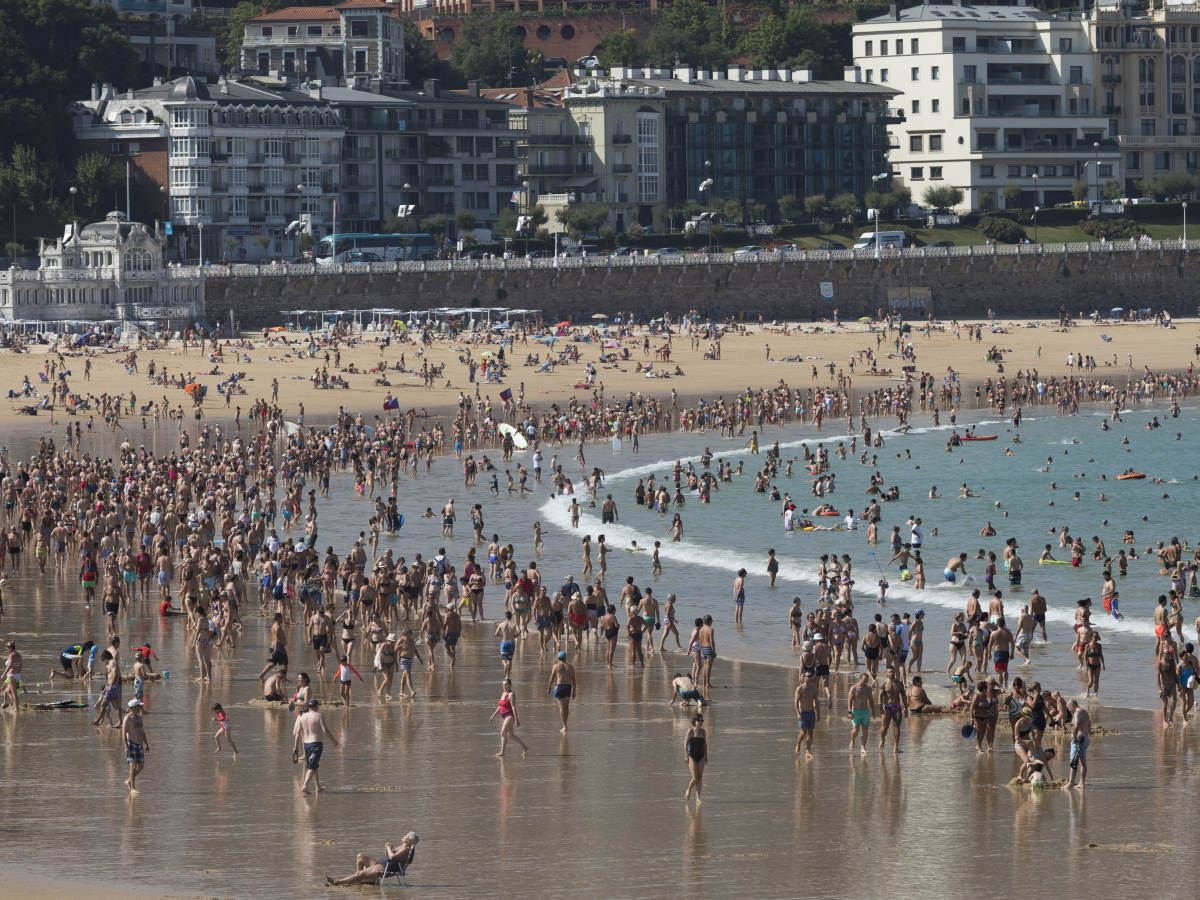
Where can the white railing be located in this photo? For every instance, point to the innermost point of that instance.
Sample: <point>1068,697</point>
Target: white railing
<point>575,263</point>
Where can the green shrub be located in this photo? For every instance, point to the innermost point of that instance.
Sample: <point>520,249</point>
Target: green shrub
<point>1002,231</point>
<point>1112,229</point>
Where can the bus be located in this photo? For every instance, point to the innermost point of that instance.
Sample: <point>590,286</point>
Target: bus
<point>373,248</point>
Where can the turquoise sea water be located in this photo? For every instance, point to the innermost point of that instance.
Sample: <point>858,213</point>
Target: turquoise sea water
<point>739,526</point>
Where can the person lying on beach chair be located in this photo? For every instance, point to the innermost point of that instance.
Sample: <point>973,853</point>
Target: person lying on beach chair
<point>393,864</point>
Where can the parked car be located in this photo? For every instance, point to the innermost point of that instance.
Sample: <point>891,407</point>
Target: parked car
<point>622,251</point>
<point>941,244</point>
<point>666,251</point>
<point>786,248</point>
<point>749,250</point>
<point>364,256</point>
<point>831,245</point>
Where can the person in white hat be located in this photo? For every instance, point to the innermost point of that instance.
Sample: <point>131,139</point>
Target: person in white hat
<point>137,745</point>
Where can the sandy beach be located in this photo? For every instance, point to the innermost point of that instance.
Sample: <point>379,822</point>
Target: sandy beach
<point>745,362</point>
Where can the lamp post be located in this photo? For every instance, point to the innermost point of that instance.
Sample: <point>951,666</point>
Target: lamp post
<point>709,184</point>
<point>299,216</point>
<point>525,204</point>
<point>1035,225</point>
<point>1036,200</point>
<point>74,190</point>
<point>1185,224</point>
<point>1096,150</point>
<point>875,179</point>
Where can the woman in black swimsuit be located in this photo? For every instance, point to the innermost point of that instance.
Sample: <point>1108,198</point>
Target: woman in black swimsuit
<point>695,747</point>
<point>611,628</point>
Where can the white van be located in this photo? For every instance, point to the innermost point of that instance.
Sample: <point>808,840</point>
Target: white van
<point>887,240</point>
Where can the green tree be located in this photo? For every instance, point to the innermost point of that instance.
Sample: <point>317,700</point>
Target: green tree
<point>228,31</point>
<point>788,204</point>
<point>757,212</point>
<point>876,200</point>
<point>987,201</point>
<point>583,218</point>
<point>420,59</point>
<point>942,196</point>
<point>435,225</point>
<point>466,220</point>
<point>844,205</point>
<point>619,48</point>
<point>1174,184</point>
<point>1146,188</point>
<point>96,177</point>
<point>538,217</point>
<point>27,176</point>
<point>1080,190</point>
<point>54,51</point>
<point>492,51</point>
<point>1011,195</point>
<point>815,205</point>
<point>306,242</point>
<point>1113,190</point>
<point>394,224</point>
<point>731,211</point>
<point>692,32</point>
<point>505,224</point>
<point>900,198</point>
<point>795,37</point>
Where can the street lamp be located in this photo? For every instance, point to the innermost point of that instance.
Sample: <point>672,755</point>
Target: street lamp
<point>1035,227</point>
<point>875,179</point>
<point>74,225</point>
<point>525,203</point>
<point>706,187</point>
<point>1096,150</point>
<point>1036,200</point>
<point>1185,224</point>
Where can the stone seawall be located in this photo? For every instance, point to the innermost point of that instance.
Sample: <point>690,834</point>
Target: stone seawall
<point>961,286</point>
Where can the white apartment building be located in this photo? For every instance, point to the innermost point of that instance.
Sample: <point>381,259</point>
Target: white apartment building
<point>992,96</point>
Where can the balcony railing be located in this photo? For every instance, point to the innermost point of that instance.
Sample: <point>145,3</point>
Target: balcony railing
<point>622,138</point>
<point>622,168</point>
<point>536,168</point>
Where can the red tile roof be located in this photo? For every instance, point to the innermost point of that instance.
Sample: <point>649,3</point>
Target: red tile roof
<point>363,4</point>
<point>560,79</point>
<point>300,13</point>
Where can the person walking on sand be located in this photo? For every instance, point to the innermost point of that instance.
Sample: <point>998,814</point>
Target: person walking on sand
<point>223,729</point>
<point>861,704</point>
<point>506,708</point>
<point>308,731</point>
<point>891,698</point>
<point>137,745</point>
<point>695,750</point>
<point>563,686</point>
<point>808,711</point>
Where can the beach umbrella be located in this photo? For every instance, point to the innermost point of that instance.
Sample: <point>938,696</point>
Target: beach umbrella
<point>599,316</point>
<point>192,389</point>
<point>1116,311</point>
<point>563,324</point>
<point>277,328</point>
<point>866,320</point>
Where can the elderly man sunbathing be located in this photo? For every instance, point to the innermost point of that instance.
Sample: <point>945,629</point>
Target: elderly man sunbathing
<point>368,871</point>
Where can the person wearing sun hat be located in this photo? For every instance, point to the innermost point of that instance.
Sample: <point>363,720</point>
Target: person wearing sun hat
<point>136,743</point>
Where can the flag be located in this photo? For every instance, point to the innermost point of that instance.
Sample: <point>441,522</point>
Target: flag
<point>516,197</point>
<point>391,403</point>
<point>506,395</point>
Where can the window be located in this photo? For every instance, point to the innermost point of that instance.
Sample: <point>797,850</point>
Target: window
<point>189,176</point>
<point>869,48</point>
<point>935,73</point>
<point>236,146</point>
<point>360,60</point>
<point>935,143</point>
<point>1148,126</point>
<point>273,147</point>
<point>291,31</point>
<point>915,143</point>
<point>647,157</point>
<point>915,74</point>
<point>958,44</point>
<point>1076,74</point>
<point>358,28</point>
<point>273,206</point>
<point>310,148</point>
<point>273,178</point>
<point>1014,171</point>
<point>1146,96</point>
<point>1073,106</point>
<point>966,106</point>
<point>1162,161</point>
<point>912,45</point>
<point>1133,160</point>
<point>1049,171</point>
<point>987,171</point>
<point>1064,45</point>
<point>236,176</point>
<point>916,174</point>
<point>899,46</point>
<point>883,45</point>
<point>935,173</point>
<point>935,105</point>
<point>1189,159</point>
<point>266,31</point>
<point>916,107</point>
<point>1031,171</point>
<point>189,147</point>
<point>969,74</point>
<point>314,30</point>
<point>1106,170</point>
<point>189,118</point>
<point>1179,126</point>
<point>237,206</point>
<point>870,75</point>
<point>883,75</point>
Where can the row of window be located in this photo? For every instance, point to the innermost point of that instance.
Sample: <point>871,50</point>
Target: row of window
<point>869,47</point>
<point>917,173</point>
<point>1067,170</point>
<point>1160,161</point>
<point>58,296</point>
<point>358,28</point>
<point>916,143</point>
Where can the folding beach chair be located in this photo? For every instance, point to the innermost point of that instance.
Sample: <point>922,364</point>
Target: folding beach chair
<point>398,868</point>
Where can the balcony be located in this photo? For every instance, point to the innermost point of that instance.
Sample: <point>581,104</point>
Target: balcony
<point>622,138</point>
<point>1110,111</point>
<point>536,168</point>
<point>1166,140</point>
<point>1111,78</point>
<point>558,140</point>
<point>359,183</point>
<point>622,168</point>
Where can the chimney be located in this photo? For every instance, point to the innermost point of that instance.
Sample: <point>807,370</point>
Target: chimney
<point>157,81</point>
<point>431,87</point>
<point>801,76</point>
<point>683,73</point>
<point>852,73</point>
<point>129,93</point>
<point>106,92</point>
<point>735,73</point>
<point>703,75</point>
<point>619,72</point>
<point>894,9</point>
<point>473,87</point>
<point>95,92</point>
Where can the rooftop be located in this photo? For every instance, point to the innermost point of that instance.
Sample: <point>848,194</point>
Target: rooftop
<point>300,13</point>
<point>945,12</point>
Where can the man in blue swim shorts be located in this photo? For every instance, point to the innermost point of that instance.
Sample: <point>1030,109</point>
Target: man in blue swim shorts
<point>507,632</point>
<point>309,730</point>
<point>807,711</point>
<point>955,567</point>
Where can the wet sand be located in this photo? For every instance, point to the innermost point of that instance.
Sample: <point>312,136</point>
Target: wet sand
<point>744,362</point>
<point>596,813</point>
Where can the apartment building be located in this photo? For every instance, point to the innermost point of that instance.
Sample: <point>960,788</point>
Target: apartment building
<point>358,43</point>
<point>234,163</point>
<point>992,96</point>
<point>1149,85</point>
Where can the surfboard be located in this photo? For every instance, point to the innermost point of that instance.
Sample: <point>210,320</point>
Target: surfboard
<point>401,525</point>
<point>1054,562</point>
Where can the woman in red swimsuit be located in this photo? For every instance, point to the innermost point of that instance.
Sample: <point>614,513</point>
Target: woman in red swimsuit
<point>506,708</point>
